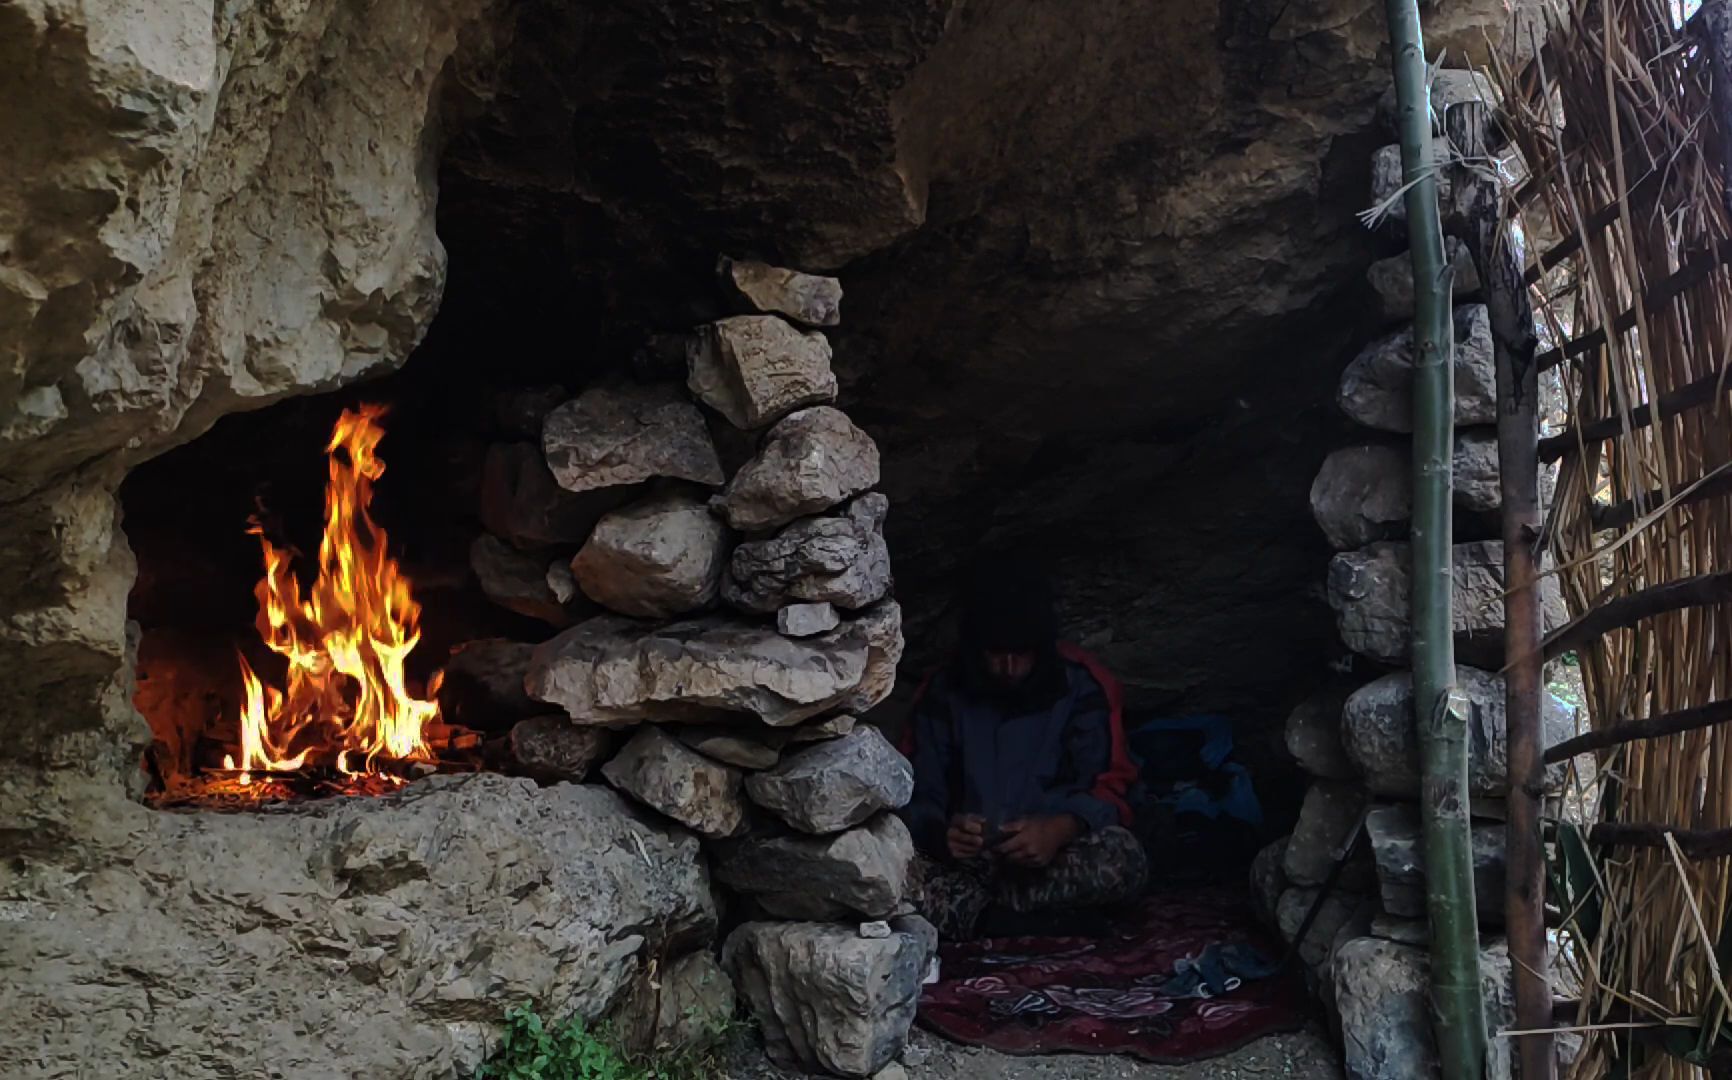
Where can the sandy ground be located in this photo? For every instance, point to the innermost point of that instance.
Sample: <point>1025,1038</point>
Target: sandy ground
<point>1304,1055</point>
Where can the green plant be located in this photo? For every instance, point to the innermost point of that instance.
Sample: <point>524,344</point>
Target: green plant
<point>532,1049</point>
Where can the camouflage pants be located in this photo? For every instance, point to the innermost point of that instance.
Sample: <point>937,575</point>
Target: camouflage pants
<point>1101,868</point>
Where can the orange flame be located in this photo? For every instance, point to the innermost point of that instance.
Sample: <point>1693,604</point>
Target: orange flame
<point>346,641</point>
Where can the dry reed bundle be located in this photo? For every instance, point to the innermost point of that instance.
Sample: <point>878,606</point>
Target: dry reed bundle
<point>1622,157</point>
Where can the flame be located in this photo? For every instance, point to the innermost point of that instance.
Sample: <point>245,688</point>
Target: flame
<point>346,697</point>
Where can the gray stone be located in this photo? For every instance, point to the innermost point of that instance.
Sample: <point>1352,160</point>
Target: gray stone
<point>756,369</point>
<point>400,926</point>
<point>668,776</point>
<point>1379,734</point>
<point>840,560</point>
<point>1314,737</point>
<point>1369,591</point>
<point>807,620</point>
<point>1387,178</point>
<point>862,873</point>
<point>560,581</point>
<point>831,727</point>
<point>1329,813</point>
<point>686,1006</point>
<point>521,503</point>
<point>813,460</point>
<point>487,674</point>
<point>1382,991</point>
<point>1377,388</point>
<point>1338,908</point>
<point>1475,471</point>
<point>1269,880</point>
<point>1362,494</point>
<point>655,559</point>
<point>882,625</point>
<point>1392,280</point>
<point>876,929</point>
<point>826,998</point>
<point>736,746</point>
<point>807,299</point>
<point>614,671</point>
<point>515,581</point>
<point>614,436</point>
<point>1394,832</point>
<point>553,748</point>
<point>836,784</point>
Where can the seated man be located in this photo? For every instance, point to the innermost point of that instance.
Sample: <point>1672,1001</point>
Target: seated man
<point>1020,774</point>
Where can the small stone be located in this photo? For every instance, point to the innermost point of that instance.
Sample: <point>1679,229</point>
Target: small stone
<point>735,747</point>
<point>552,748</point>
<point>1314,737</point>
<point>1377,388</point>
<point>1477,486</point>
<point>610,670</point>
<point>1391,280</point>
<point>836,784</point>
<point>665,775</point>
<point>1330,812</point>
<point>892,1071</point>
<point>878,929</point>
<point>914,1056</point>
<point>613,436</point>
<point>521,503</point>
<point>807,620</point>
<point>810,461</point>
<point>486,677</point>
<point>831,727</point>
<point>515,581</point>
<point>827,999</point>
<point>861,873</point>
<point>560,581</point>
<point>807,299</point>
<point>655,559</point>
<point>756,369</point>
<point>882,625</point>
<point>1380,736</point>
<point>1387,178</point>
<point>840,560</point>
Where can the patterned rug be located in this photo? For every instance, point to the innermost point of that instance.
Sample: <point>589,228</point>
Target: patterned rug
<point>1046,995</point>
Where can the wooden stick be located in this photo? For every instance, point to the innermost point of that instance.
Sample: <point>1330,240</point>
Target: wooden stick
<point>1686,397</point>
<point>1627,611</point>
<point>1696,269</point>
<point>1622,514</point>
<point>1654,727</point>
<point>1696,844</point>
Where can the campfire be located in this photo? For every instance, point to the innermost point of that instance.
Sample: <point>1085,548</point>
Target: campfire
<point>344,718</point>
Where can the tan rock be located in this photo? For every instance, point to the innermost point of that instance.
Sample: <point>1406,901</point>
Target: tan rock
<point>756,369</point>
<point>811,461</point>
<point>612,436</point>
<point>655,559</point>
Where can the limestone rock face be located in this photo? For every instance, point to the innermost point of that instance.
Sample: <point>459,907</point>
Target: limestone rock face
<point>811,461</point>
<point>1314,738</point>
<point>756,369</point>
<point>1330,811</point>
<point>1369,591</point>
<point>1379,734</point>
<point>433,910</point>
<point>808,299</point>
<point>656,559</point>
<point>840,560</point>
<point>827,998</point>
<point>836,784</point>
<point>667,775</point>
<point>609,436</point>
<point>1392,278</point>
<point>515,581</point>
<point>1394,833</point>
<point>554,748</point>
<point>1377,387</point>
<point>612,671</point>
<point>863,872</point>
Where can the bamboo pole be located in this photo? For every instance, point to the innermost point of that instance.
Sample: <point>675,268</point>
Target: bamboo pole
<point>1459,1018</point>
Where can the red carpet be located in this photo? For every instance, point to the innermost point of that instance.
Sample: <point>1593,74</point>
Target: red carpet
<point>1099,996</point>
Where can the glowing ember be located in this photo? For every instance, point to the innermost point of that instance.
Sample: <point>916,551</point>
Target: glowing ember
<point>346,703</point>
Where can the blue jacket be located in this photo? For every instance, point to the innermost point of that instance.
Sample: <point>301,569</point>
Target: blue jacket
<point>971,758</point>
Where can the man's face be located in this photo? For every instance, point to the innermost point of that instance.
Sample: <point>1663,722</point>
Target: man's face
<point>1009,668</point>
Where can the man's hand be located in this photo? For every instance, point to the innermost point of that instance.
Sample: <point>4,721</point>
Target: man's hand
<point>1036,841</point>
<point>966,837</point>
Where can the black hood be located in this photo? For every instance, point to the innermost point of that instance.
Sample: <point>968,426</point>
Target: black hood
<point>1008,607</point>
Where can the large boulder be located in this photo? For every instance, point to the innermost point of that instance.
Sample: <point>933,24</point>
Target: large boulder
<point>1394,833</point>
<point>827,998</point>
<point>1326,819</point>
<point>1314,737</point>
<point>655,559</point>
<point>1380,735</point>
<point>837,783</point>
<point>516,581</point>
<point>756,369</point>
<point>1382,995</point>
<point>813,460</point>
<point>613,436</point>
<point>1377,387</point>
<point>808,299</point>
<point>1370,591</point>
<point>393,931</point>
<point>666,775</point>
<point>839,560</point>
<point>614,671</point>
<point>863,872</point>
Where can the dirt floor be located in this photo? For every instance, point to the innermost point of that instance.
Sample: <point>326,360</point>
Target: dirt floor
<point>1304,1055</point>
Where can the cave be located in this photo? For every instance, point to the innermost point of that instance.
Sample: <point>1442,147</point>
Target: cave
<point>1100,271</point>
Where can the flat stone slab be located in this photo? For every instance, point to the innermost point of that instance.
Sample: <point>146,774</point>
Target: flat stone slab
<point>756,369</point>
<point>666,775</point>
<point>836,784</point>
<point>864,872</point>
<point>613,436</point>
